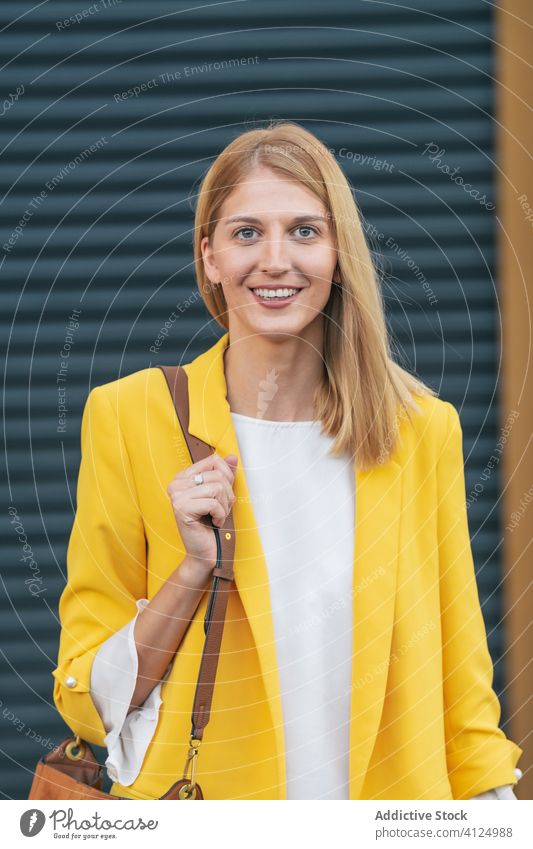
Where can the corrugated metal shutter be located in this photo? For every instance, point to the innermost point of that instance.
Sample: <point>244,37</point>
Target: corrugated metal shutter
<point>98,194</point>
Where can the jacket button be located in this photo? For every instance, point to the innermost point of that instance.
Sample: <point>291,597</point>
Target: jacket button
<point>71,682</point>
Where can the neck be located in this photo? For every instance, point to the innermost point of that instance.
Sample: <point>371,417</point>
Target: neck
<point>273,379</point>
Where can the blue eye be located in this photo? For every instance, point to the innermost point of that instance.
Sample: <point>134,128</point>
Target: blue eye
<point>244,229</point>
<point>307,227</point>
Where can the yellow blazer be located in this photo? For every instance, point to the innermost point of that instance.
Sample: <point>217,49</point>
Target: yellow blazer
<point>424,717</point>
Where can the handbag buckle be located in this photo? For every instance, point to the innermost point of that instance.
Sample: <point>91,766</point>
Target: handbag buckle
<point>188,791</point>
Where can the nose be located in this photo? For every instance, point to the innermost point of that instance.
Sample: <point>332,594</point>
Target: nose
<point>275,255</point>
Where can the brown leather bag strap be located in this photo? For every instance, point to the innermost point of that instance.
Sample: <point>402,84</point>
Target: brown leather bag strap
<point>222,573</point>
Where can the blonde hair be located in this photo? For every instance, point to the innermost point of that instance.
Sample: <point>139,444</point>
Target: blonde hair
<point>358,401</point>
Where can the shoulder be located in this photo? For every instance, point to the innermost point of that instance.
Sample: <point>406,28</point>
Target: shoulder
<point>133,389</point>
<point>128,406</point>
<point>428,428</point>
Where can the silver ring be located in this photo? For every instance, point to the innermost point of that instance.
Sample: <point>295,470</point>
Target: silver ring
<point>198,479</point>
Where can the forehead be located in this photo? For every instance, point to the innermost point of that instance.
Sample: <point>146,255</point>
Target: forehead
<point>267,194</point>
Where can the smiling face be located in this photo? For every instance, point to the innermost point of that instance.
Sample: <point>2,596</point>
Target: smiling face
<point>273,234</point>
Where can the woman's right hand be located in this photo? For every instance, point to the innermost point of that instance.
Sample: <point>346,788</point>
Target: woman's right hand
<point>192,503</point>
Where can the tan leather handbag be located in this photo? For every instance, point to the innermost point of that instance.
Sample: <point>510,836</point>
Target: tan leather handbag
<point>71,770</point>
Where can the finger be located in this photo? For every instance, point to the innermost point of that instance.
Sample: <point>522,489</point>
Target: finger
<point>212,477</point>
<point>205,507</point>
<point>216,490</point>
<point>214,461</point>
<point>186,486</point>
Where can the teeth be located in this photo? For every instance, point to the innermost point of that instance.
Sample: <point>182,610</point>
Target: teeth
<point>275,293</point>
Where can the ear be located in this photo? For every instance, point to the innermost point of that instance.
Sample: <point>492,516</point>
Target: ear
<point>210,266</point>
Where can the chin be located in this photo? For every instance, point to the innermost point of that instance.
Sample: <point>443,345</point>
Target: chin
<point>279,333</point>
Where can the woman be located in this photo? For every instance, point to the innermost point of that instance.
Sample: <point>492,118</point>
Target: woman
<point>354,662</point>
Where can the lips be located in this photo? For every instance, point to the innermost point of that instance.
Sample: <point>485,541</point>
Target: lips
<point>275,301</point>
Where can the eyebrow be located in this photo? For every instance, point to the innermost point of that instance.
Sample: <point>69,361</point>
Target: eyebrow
<point>254,220</point>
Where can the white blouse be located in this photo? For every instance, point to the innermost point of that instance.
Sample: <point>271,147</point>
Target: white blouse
<point>311,611</point>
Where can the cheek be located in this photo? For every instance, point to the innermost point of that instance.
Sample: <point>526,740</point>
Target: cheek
<point>319,295</point>
<point>237,261</point>
<point>319,257</point>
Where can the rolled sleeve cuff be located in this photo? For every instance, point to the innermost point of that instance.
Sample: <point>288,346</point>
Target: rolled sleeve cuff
<point>502,793</point>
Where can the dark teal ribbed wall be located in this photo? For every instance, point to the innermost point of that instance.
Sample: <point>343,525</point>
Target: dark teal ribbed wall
<point>96,213</point>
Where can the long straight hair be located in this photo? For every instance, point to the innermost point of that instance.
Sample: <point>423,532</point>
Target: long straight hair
<point>364,393</point>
